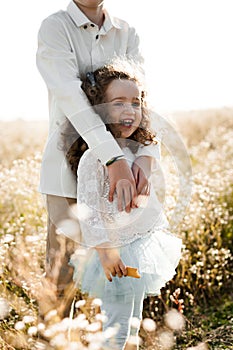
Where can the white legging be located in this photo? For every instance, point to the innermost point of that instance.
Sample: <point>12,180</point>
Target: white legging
<point>121,312</point>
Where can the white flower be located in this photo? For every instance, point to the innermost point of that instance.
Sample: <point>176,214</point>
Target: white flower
<point>95,339</point>
<point>20,325</point>
<point>95,346</point>
<point>50,315</point>
<point>41,327</point>
<point>82,324</point>
<point>69,228</point>
<point>7,238</point>
<point>80,303</point>
<point>135,322</point>
<point>32,239</point>
<point>75,346</point>
<point>101,317</point>
<point>79,322</point>
<point>111,332</point>
<point>59,341</point>
<point>32,331</point>
<point>4,308</point>
<point>134,340</point>
<point>174,320</point>
<point>65,324</point>
<point>48,333</point>
<point>149,325</point>
<point>166,340</point>
<point>201,346</point>
<point>28,319</point>
<point>97,302</point>
<point>93,327</point>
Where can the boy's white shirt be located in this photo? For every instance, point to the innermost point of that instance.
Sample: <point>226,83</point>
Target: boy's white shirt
<point>69,45</point>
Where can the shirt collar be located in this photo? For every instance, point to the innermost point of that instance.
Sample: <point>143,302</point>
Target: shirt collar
<point>110,21</point>
<point>80,19</point>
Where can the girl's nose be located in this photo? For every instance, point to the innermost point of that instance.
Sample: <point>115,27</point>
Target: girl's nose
<point>128,108</point>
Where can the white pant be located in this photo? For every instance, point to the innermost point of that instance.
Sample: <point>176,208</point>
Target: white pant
<point>121,312</point>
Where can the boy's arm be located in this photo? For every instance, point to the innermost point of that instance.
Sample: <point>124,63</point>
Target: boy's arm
<point>58,66</point>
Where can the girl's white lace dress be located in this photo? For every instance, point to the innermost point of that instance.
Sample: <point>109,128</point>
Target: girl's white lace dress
<point>141,236</point>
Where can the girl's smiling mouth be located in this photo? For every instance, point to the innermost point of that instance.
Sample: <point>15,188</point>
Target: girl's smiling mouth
<point>128,122</point>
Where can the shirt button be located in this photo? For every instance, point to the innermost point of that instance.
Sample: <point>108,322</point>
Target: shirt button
<point>85,27</point>
<point>97,37</point>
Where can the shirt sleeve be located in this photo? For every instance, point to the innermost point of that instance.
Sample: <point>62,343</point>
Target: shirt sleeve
<point>91,211</point>
<point>134,47</point>
<point>58,66</point>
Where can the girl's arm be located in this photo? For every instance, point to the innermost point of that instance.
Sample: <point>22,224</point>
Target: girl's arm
<point>143,165</point>
<point>111,262</point>
<point>142,168</point>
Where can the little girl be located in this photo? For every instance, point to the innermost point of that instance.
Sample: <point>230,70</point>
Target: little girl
<point>113,238</point>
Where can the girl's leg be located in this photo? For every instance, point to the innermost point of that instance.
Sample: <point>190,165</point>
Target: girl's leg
<point>137,312</point>
<point>119,314</point>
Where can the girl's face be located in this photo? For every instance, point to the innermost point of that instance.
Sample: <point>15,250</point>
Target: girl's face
<point>124,112</point>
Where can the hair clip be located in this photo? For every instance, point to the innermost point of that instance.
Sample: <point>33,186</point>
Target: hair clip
<point>90,76</point>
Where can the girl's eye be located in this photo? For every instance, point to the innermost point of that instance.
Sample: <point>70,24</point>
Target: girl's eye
<point>118,104</point>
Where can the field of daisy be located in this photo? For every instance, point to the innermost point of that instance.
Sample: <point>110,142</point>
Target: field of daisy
<point>195,309</point>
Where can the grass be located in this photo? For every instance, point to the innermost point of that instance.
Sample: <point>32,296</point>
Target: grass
<point>214,326</point>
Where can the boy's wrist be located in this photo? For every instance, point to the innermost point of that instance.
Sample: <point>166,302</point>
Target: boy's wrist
<point>114,159</point>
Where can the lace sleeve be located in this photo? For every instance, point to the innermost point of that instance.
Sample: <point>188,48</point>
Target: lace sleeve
<point>91,177</point>
<point>150,151</point>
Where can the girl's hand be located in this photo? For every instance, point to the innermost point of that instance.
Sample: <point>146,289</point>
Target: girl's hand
<point>111,263</point>
<point>123,183</point>
<point>141,169</point>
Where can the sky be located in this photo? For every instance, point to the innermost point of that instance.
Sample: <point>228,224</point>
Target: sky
<point>187,45</point>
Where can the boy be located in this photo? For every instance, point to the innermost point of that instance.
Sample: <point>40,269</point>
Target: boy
<point>71,43</point>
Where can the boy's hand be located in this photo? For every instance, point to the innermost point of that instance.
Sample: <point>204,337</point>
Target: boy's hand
<point>141,169</point>
<point>122,181</point>
<point>111,263</point>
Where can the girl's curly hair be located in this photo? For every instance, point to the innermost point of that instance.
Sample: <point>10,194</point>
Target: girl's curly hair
<point>95,85</point>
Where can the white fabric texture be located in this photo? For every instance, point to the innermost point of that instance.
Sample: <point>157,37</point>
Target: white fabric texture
<point>70,45</point>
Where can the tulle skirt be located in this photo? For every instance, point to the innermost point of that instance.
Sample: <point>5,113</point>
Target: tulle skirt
<point>156,256</point>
